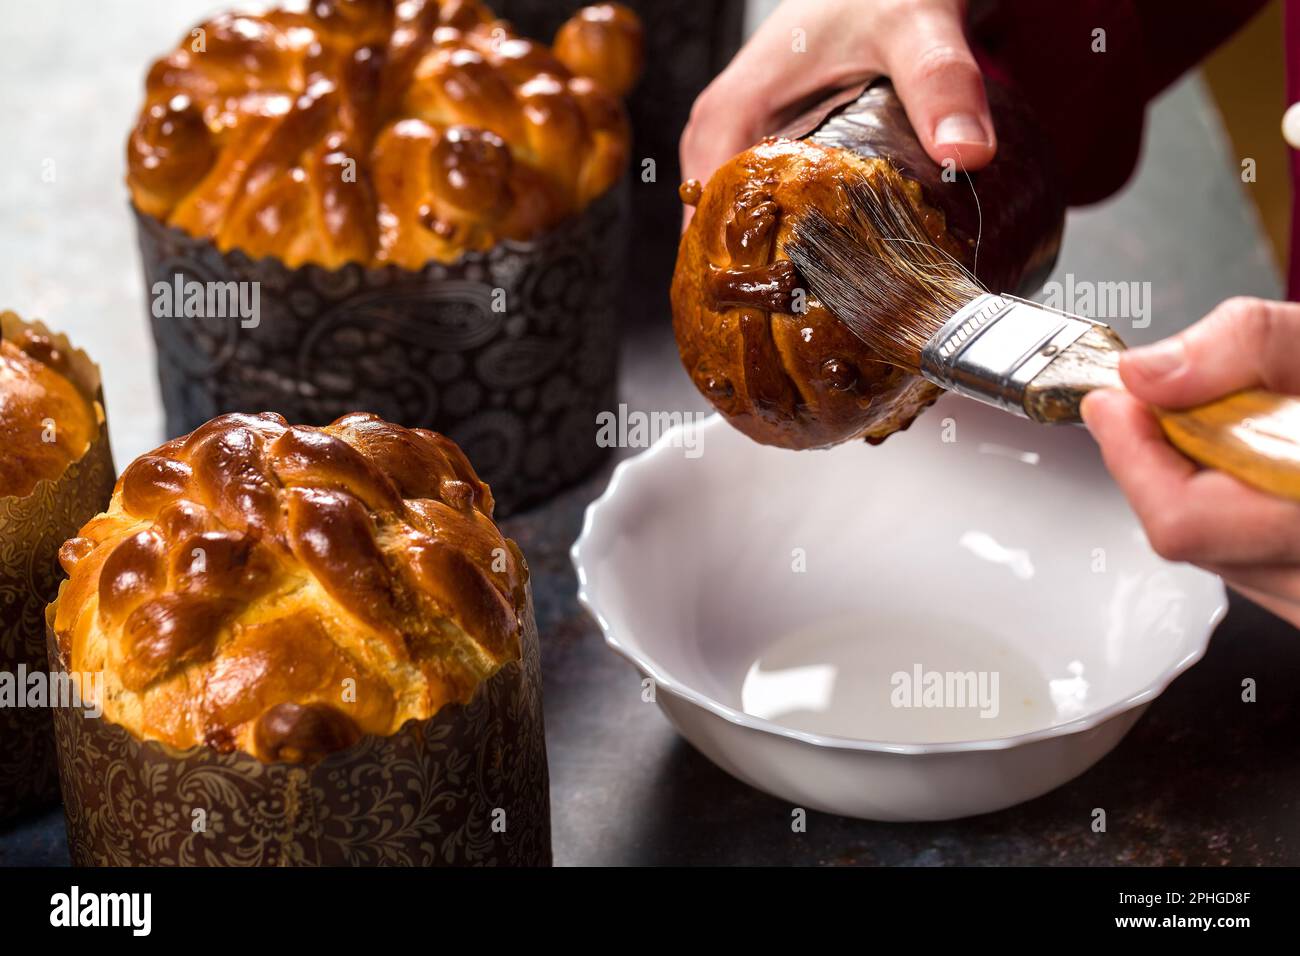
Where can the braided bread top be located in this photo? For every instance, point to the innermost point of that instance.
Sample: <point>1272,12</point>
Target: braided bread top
<point>46,423</point>
<point>283,590</point>
<point>379,132</point>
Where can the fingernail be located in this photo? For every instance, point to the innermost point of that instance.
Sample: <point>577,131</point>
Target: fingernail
<point>1159,360</point>
<point>960,128</point>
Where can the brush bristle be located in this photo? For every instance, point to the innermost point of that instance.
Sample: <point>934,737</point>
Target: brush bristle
<point>878,270</point>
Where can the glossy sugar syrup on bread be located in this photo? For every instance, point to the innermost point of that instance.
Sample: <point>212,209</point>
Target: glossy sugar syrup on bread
<point>285,589</point>
<point>756,341</point>
<point>378,132</point>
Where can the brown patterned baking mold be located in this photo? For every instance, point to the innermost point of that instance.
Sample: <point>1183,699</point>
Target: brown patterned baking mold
<point>32,529</point>
<point>466,787</point>
<point>512,353</point>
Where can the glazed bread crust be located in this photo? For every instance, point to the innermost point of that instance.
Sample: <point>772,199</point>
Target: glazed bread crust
<point>46,423</point>
<point>802,380</point>
<point>796,379</point>
<point>378,132</point>
<point>284,589</point>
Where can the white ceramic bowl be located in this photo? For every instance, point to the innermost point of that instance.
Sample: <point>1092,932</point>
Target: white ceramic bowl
<point>955,621</point>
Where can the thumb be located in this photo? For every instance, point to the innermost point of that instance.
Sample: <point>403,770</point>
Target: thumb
<point>1243,343</point>
<point>941,87</point>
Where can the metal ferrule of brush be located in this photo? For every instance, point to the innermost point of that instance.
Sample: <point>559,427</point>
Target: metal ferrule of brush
<point>994,346</point>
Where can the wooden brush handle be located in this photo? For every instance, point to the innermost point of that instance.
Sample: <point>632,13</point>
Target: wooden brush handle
<point>1252,435</point>
<point>1054,395</point>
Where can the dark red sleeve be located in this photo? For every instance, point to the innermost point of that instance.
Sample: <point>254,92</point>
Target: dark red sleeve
<point>1092,104</point>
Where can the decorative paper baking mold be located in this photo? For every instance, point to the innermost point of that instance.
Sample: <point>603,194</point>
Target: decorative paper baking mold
<point>467,787</point>
<point>519,390</point>
<point>32,529</point>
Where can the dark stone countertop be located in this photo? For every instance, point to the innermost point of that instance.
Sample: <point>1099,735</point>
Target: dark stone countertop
<point>1202,779</point>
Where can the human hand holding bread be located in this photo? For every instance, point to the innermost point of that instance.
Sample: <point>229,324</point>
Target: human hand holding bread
<point>1204,516</point>
<point>807,47</point>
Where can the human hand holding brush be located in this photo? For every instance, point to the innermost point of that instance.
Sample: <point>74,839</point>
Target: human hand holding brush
<point>1204,516</point>
<point>1219,393</point>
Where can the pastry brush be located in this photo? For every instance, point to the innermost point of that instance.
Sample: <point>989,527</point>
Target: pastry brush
<point>877,269</point>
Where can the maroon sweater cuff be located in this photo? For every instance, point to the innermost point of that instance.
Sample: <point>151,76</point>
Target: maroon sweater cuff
<point>1092,102</point>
